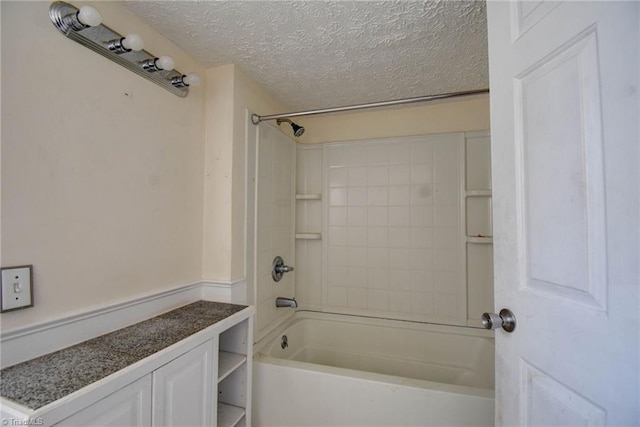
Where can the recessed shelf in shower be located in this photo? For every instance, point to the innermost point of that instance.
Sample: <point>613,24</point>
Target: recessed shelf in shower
<point>309,196</point>
<point>309,236</point>
<point>485,240</point>
<point>478,193</point>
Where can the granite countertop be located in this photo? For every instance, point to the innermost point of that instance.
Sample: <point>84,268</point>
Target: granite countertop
<point>45,379</point>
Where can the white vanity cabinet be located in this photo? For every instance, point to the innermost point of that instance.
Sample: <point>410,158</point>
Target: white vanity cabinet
<point>178,393</point>
<point>203,380</point>
<point>182,389</point>
<point>129,406</point>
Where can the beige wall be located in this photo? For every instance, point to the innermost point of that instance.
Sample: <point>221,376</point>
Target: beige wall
<point>217,237</point>
<point>442,117</point>
<point>230,94</point>
<point>101,169</point>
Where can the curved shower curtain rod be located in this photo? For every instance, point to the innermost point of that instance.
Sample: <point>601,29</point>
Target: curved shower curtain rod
<point>255,119</point>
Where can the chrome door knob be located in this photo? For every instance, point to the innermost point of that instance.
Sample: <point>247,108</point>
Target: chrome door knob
<point>505,320</point>
<point>278,268</point>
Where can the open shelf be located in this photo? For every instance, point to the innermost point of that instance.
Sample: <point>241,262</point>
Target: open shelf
<point>228,362</point>
<point>478,193</point>
<point>482,240</point>
<point>309,236</point>
<point>234,375</point>
<point>229,415</point>
<point>308,196</point>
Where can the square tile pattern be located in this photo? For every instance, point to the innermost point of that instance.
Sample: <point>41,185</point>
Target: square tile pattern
<point>394,236</point>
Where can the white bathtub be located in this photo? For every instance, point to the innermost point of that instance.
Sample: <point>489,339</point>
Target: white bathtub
<point>355,371</point>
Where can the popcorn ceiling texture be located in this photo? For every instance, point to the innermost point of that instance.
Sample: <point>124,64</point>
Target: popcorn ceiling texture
<point>318,54</point>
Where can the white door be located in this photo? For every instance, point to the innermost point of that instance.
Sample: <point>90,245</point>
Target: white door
<point>564,123</point>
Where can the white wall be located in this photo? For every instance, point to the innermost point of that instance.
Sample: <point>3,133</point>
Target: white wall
<point>101,169</point>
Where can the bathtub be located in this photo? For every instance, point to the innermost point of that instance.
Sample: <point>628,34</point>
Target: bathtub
<point>354,371</point>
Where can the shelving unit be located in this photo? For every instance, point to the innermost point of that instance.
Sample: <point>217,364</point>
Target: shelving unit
<point>234,395</point>
<point>229,415</point>
<point>309,196</point>
<point>309,236</point>
<point>305,212</point>
<point>478,193</point>
<point>228,362</point>
<point>485,240</point>
<point>477,190</point>
<point>478,237</point>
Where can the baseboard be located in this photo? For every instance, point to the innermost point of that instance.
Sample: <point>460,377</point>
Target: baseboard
<point>233,292</point>
<point>30,341</point>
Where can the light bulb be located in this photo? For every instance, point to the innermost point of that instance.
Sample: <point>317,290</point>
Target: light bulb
<point>89,16</point>
<point>191,79</point>
<point>165,63</point>
<point>133,42</point>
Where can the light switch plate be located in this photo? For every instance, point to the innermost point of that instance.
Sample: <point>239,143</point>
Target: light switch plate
<point>17,288</point>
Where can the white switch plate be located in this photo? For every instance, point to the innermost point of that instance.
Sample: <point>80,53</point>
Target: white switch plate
<point>17,288</point>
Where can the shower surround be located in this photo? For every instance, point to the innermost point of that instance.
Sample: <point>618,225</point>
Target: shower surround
<point>391,237</point>
<point>401,228</point>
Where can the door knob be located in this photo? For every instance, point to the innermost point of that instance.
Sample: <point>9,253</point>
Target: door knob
<point>278,268</point>
<point>505,320</point>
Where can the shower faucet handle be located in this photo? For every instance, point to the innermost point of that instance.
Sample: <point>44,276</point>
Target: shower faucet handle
<point>284,269</point>
<point>278,268</point>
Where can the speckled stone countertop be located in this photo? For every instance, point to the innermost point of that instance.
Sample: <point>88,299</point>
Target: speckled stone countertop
<point>40,381</point>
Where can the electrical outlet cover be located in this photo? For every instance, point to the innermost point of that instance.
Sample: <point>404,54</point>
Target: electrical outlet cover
<point>17,288</point>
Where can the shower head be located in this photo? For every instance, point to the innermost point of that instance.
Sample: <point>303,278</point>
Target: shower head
<point>297,130</point>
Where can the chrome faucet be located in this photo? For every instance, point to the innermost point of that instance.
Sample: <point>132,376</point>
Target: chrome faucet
<point>286,302</point>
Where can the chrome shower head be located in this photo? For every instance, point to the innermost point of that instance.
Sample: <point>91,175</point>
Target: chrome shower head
<point>297,130</point>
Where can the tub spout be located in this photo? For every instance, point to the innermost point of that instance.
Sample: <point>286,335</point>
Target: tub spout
<point>286,302</point>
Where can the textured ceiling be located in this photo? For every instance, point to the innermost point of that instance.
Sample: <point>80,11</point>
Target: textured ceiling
<point>318,54</point>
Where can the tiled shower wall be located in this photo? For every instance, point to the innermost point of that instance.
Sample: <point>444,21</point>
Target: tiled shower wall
<point>396,228</point>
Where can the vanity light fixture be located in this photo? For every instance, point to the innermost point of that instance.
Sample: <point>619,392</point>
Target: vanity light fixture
<point>85,17</point>
<point>126,44</point>
<point>156,64</point>
<point>191,79</point>
<point>85,27</point>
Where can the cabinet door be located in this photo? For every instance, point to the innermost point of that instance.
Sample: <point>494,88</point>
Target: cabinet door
<point>182,389</point>
<point>129,406</point>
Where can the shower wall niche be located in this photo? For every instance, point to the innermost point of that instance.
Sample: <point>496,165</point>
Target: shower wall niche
<point>396,228</point>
